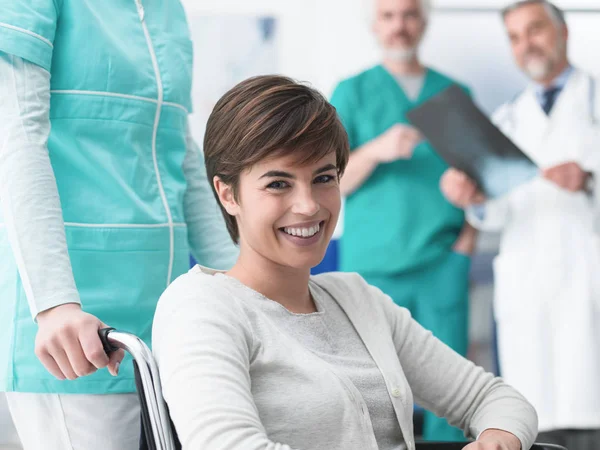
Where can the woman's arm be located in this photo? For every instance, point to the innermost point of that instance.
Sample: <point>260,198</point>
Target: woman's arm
<point>451,386</point>
<point>203,345</point>
<point>210,243</point>
<point>28,192</point>
<point>67,342</point>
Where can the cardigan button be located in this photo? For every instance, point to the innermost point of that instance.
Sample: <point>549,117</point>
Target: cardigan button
<point>396,392</point>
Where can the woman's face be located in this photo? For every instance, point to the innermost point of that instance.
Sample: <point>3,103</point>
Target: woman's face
<point>286,213</point>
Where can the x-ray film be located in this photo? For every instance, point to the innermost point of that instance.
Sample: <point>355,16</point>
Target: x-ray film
<point>466,139</point>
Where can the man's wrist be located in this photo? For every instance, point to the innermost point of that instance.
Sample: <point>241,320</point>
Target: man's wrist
<point>371,153</point>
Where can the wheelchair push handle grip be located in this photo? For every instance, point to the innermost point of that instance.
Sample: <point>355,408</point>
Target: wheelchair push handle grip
<point>108,347</point>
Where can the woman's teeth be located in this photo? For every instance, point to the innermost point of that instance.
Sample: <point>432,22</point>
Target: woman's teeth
<point>303,232</point>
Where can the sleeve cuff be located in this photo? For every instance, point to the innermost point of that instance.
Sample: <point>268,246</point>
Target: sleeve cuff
<point>56,300</point>
<point>26,45</point>
<point>475,215</point>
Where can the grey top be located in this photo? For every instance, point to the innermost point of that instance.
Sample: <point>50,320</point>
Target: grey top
<point>411,85</point>
<point>330,335</point>
<point>240,372</point>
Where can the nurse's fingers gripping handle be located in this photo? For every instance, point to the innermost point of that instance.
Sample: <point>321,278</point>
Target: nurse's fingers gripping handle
<point>108,347</point>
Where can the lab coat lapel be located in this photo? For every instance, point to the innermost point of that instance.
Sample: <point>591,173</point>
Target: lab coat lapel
<point>531,126</point>
<point>570,123</point>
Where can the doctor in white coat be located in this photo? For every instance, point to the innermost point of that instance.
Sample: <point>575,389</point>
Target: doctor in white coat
<point>547,275</point>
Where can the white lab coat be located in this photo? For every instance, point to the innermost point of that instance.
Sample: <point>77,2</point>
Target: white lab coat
<point>547,275</point>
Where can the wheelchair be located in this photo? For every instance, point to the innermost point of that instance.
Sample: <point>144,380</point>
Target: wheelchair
<point>158,432</point>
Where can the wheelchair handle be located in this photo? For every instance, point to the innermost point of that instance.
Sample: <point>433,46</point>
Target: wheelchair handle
<point>148,385</point>
<point>106,344</point>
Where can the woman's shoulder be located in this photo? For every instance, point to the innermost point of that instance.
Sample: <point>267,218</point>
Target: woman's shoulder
<point>196,277</point>
<point>339,279</point>
<point>197,310</point>
<point>345,287</point>
<point>199,291</point>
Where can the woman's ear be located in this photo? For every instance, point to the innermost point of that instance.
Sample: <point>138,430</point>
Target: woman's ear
<point>226,197</point>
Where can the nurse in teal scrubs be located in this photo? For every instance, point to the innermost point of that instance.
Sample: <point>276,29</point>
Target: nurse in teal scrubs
<point>103,197</point>
<point>399,231</point>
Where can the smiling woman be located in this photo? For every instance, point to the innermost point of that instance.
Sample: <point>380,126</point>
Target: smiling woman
<point>265,118</point>
<point>265,356</point>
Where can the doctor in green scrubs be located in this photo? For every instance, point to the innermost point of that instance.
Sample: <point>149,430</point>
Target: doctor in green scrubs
<point>103,197</point>
<point>400,233</point>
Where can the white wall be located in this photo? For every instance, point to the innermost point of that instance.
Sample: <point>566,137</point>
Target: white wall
<point>322,41</point>
<point>296,28</point>
<point>572,4</point>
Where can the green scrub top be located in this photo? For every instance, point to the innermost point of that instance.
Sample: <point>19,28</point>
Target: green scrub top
<point>398,221</point>
<point>121,79</point>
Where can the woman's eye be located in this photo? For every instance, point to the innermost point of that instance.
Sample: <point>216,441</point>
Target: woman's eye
<point>323,179</point>
<point>277,185</point>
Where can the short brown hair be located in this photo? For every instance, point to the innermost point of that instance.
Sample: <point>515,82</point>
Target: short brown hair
<point>269,116</point>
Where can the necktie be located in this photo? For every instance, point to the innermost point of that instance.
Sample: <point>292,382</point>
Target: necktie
<point>549,98</point>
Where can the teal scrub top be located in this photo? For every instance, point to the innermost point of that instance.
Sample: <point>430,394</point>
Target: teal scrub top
<point>121,78</point>
<point>398,221</point>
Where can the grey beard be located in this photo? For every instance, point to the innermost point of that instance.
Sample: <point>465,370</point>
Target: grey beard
<point>537,70</point>
<point>540,70</point>
<point>400,55</point>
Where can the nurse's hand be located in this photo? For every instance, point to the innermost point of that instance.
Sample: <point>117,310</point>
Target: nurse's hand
<point>567,176</point>
<point>398,142</point>
<point>68,345</point>
<point>495,440</point>
<point>459,189</point>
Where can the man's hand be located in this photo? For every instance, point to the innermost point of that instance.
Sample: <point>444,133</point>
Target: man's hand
<point>495,440</point>
<point>459,189</point>
<point>68,345</point>
<point>398,142</point>
<point>568,176</point>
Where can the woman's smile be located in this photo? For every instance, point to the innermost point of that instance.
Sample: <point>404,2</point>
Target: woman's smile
<point>304,235</point>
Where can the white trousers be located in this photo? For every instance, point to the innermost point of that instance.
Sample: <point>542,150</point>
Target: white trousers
<point>8,434</point>
<point>76,422</point>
